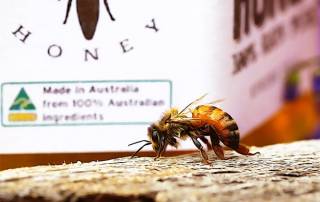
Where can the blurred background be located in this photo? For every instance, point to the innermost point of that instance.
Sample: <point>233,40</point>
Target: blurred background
<point>287,112</point>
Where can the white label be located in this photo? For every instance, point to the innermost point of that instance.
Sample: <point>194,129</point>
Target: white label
<point>84,102</point>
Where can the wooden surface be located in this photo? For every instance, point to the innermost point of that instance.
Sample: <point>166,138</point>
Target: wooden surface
<point>283,172</point>
<point>8,161</point>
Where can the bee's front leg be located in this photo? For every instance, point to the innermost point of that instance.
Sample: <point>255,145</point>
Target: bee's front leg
<point>161,150</point>
<point>158,155</point>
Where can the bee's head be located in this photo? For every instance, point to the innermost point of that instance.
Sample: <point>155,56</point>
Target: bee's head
<point>157,139</point>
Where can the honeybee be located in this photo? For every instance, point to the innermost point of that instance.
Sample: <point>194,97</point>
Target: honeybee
<point>206,121</point>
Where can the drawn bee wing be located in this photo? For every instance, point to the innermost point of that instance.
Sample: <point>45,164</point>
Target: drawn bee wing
<point>88,15</point>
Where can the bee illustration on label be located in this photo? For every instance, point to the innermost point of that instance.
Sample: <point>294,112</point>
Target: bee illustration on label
<point>206,121</point>
<point>88,15</point>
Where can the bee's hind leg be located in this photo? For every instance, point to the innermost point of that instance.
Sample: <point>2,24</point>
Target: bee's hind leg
<point>243,149</point>
<point>204,155</point>
<point>217,148</point>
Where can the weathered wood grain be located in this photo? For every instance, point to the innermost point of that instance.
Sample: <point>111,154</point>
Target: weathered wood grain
<point>283,172</point>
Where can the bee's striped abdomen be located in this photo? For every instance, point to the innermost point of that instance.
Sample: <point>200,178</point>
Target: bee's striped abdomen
<point>224,125</point>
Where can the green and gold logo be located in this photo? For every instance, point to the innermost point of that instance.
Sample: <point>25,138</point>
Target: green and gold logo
<point>22,109</point>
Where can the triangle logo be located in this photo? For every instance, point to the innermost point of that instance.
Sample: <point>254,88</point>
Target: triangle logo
<point>22,109</point>
<point>22,102</point>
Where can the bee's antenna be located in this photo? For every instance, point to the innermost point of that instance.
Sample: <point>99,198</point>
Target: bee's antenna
<point>67,13</point>
<point>193,102</point>
<point>108,10</point>
<point>139,142</point>
<point>140,148</point>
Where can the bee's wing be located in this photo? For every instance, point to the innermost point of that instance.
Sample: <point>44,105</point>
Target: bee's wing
<point>192,103</point>
<point>183,111</point>
<point>215,101</point>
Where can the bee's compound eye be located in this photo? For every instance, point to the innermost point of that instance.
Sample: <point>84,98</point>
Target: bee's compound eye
<point>155,136</point>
